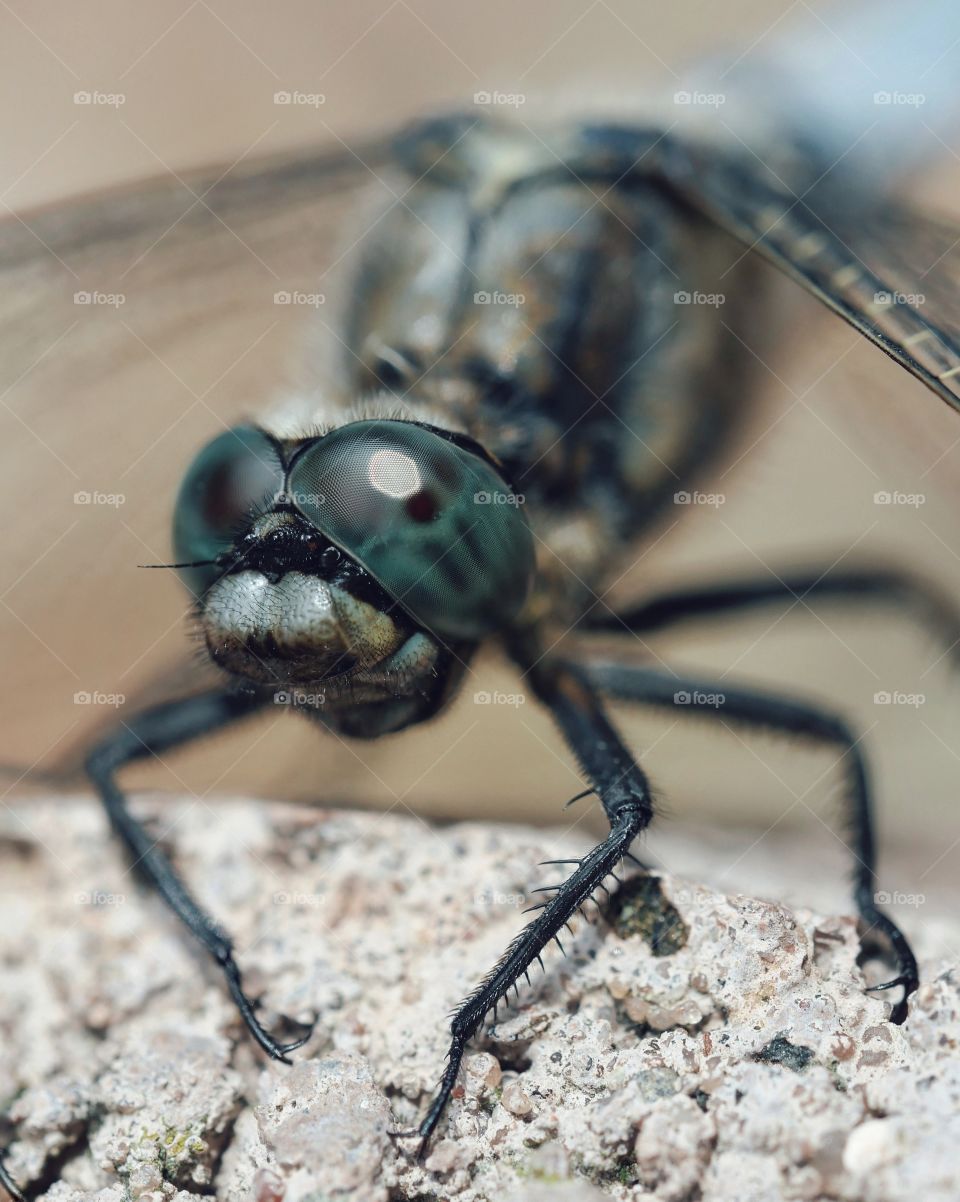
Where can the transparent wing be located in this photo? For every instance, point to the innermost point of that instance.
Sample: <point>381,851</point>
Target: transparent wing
<point>891,272</point>
<point>134,323</point>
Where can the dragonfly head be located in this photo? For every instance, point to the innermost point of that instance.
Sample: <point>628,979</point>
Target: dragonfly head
<point>356,570</point>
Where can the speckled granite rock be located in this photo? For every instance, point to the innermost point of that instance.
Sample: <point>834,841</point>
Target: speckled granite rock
<point>691,1044</point>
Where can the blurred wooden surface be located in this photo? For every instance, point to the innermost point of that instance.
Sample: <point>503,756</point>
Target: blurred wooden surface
<point>115,399</point>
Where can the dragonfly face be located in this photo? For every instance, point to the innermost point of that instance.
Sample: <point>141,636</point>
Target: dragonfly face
<point>357,570</point>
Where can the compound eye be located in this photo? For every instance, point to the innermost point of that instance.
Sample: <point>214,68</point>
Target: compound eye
<point>434,523</point>
<point>231,477</point>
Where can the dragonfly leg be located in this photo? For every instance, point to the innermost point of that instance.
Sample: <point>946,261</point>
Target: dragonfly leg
<point>155,730</point>
<point>625,795</point>
<point>802,589</point>
<point>755,708</point>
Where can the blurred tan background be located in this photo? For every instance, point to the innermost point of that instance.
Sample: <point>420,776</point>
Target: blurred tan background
<point>115,399</point>
<point>197,79</point>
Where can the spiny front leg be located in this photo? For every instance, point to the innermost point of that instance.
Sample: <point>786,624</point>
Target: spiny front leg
<point>625,796</point>
<point>526,948</point>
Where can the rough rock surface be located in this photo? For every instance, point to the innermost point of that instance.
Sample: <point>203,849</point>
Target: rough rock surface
<point>690,1045</point>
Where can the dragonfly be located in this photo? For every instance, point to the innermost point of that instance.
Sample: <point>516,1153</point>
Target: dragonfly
<point>526,376</point>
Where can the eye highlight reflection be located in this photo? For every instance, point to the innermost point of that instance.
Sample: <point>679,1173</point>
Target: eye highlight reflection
<point>394,473</point>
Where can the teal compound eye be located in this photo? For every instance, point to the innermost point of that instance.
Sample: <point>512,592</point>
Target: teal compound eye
<point>232,475</point>
<point>436,525</point>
